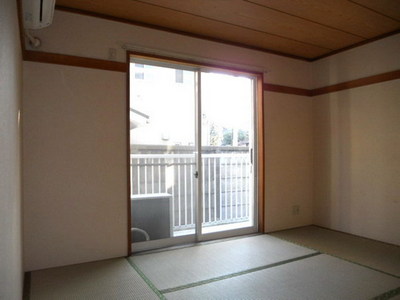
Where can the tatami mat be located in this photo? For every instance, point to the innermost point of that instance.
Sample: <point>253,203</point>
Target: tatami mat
<point>319,277</point>
<point>256,267</point>
<point>111,279</point>
<point>170,269</point>
<point>374,254</point>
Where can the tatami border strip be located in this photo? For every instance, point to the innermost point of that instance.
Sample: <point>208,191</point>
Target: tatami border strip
<point>353,235</point>
<point>388,294</point>
<point>219,278</point>
<point>334,255</point>
<point>147,280</point>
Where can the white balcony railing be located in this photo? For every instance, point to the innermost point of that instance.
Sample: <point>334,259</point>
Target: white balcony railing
<point>225,186</point>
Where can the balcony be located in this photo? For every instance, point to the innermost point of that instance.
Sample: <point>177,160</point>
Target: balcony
<point>158,171</point>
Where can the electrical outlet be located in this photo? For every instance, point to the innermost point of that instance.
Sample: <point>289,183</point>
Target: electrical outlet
<point>295,210</point>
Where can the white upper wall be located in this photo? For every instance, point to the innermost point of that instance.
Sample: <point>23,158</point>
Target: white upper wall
<point>85,36</point>
<point>356,143</point>
<point>357,161</point>
<point>370,59</point>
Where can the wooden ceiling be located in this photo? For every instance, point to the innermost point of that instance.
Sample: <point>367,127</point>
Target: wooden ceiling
<point>305,29</point>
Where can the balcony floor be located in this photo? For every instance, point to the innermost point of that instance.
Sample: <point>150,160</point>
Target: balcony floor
<point>215,228</point>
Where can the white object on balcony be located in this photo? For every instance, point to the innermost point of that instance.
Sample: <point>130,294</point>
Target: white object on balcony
<point>152,214</point>
<point>146,235</point>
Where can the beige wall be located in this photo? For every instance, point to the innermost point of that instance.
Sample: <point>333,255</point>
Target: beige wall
<point>74,152</point>
<point>288,160</point>
<point>371,59</point>
<point>357,161</point>
<point>357,143</point>
<point>11,275</point>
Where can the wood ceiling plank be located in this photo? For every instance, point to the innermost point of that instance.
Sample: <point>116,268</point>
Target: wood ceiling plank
<point>137,11</point>
<point>263,19</point>
<point>389,8</point>
<point>341,14</point>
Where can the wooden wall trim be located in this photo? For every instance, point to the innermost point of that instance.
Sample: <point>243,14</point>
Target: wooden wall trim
<point>261,153</point>
<point>77,61</point>
<point>195,63</point>
<point>335,87</point>
<point>128,156</point>
<point>259,76</point>
<point>70,60</point>
<point>357,83</point>
<point>21,28</point>
<point>268,87</point>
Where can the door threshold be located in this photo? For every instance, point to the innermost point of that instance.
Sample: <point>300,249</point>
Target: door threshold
<point>188,245</point>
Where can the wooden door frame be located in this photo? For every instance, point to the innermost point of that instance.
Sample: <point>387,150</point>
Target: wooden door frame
<point>259,123</point>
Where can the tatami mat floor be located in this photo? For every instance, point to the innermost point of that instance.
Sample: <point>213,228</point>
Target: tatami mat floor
<point>318,277</point>
<point>377,255</point>
<point>170,269</point>
<point>109,279</point>
<point>303,263</point>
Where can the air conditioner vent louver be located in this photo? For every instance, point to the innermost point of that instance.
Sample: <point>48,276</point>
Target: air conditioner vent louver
<point>38,13</point>
<point>41,11</point>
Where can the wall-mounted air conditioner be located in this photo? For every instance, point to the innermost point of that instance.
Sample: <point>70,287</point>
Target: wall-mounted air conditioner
<point>37,13</point>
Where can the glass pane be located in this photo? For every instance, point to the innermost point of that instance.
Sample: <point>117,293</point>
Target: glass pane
<point>227,139</point>
<point>162,143</point>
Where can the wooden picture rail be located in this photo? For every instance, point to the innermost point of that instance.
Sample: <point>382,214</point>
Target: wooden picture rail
<point>77,61</point>
<point>333,88</point>
<point>357,83</point>
<point>286,89</point>
<point>86,62</point>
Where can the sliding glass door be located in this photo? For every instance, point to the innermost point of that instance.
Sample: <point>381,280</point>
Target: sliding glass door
<point>227,143</point>
<point>192,147</point>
